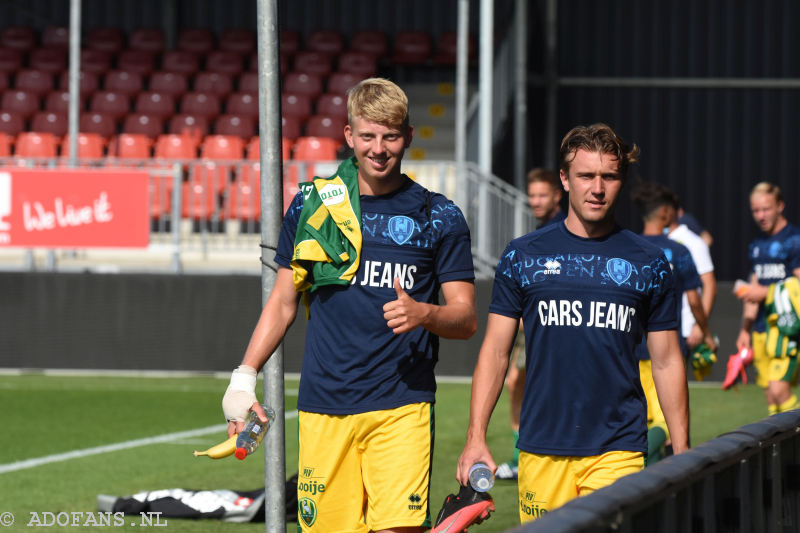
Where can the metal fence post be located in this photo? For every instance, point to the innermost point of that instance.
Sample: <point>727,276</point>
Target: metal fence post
<point>177,194</point>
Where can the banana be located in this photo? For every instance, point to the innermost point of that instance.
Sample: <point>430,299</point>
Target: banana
<point>218,451</point>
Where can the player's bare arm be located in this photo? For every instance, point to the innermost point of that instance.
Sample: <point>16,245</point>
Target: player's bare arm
<point>455,319</point>
<point>696,305</point>
<point>669,375</point>
<point>487,384</point>
<point>709,296</point>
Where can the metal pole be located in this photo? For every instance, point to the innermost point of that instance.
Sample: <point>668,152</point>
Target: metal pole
<point>486,68</point>
<point>551,84</point>
<point>271,214</point>
<point>520,94</point>
<point>462,64</point>
<point>175,218</point>
<point>74,79</point>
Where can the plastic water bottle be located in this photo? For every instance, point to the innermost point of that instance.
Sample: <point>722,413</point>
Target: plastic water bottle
<point>481,477</point>
<point>253,433</point>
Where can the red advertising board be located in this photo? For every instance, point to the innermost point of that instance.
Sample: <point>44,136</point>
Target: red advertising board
<point>73,208</point>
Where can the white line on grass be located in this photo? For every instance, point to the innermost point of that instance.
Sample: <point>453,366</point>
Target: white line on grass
<point>77,454</point>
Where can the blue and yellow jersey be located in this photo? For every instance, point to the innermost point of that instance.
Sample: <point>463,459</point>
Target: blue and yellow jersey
<point>774,258</point>
<point>585,305</point>
<point>353,362</point>
<point>685,276</point>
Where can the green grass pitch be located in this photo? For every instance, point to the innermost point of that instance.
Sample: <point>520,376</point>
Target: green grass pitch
<point>44,415</point>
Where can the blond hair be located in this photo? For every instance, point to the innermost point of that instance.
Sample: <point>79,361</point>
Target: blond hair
<point>765,187</point>
<point>378,100</point>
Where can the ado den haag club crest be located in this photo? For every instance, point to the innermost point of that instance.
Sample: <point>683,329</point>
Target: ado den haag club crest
<point>401,228</point>
<point>619,270</point>
<point>307,511</point>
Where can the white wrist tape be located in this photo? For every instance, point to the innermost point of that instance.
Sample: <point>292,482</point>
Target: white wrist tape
<point>241,394</point>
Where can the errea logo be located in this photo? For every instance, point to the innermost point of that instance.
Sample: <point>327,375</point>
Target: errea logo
<point>552,267</point>
<point>415,500</point>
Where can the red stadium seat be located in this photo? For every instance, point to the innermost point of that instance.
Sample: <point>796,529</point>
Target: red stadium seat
<point>239,40</point>
<point>159,192</point>
<point>112,103</point>
<point>35,144</point>
<point>302,83</point>
<point>225,62</point>
<point>339,82</point>
<point>143,124</point>
<point>58,101</point>
<point>333,105</point>
<point>373,42</point>
<point>130,146</point>
<point>6,142</point>
<point>11,122</point>
<point>183,61</point>
<point>202,104</point>
<point>358,63</point>
<point>137,61</point>
<point>240,125</point>
<point>98,122</point>
<point>242,104</point>
<point>54,122</point>
<point>122,81</point>
<point>154,103</point>
<point>175,146</point>
<point>52,60</point>
<point>97,61</point>
<point>411,48</point>
<point>22,38</point>
<point>199,201</point>
<point>174,83</point>
<point>222,147</point>
<point>315,149</point>
<point>10,60</point>
<point>447,48</point>
<point>147,39</point>
<point>24,103</point>
<point>296,105</point>
<point>243,196</point>
<point>196,40</point>
<point>252,150</point>
<point>88,83</point>
<point>55,37</point>
<point>5,83</point>
<point>328,42</point>
<point>34,81</point>
<point>106,39</point>
<point>195,126</point>
<point>326,126</point>
<point>289,42</point>
<point>291,127</point>
<point>310,62</point>
<point>248,82</point>
<point>216,83</point>
<point>90,146</point>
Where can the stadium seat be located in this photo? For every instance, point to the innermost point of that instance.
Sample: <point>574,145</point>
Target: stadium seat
<point>97,61</point>
<point>240,125</point>
<point>155,103</point>
<point>143,124</point>
<point>6,142</point>
<point>196,40</point>
<point>111,103</point>
<point>10,60</point>
<point>5,82</point>
<point>22,38</point>
<point>147,39</point>
<point>359,63</point>
<point>222,147</point>
<point>447,48</point>
<point>58,100</point>
<point>22,102</point>
<point>52,60</point>
<point>291,127</point>
<point>252,151</point>
<point>98,122</point>
<point>199,202</point>
<point>296,105</point>
<point>248,82</point>
<point>310,62</point>
<point>289,42</point>
<point>11,122</point>
<point>328,42</point>
<point>195,126</point>
<point>201,104</point>
<point>302,83</point>
<point>106,39</point>
<point>159,193</point>
<point>225,62</point>
<point>35,144</point>
<point>183,61</point>
<point>239,40</point>
<point>315,149</point>
<point>175,146</point>
<point>326,126</point>
<point>122,81</point>
<point>34,81</point>
<point>339,82</point>
<point>55,37</point>
<point>88,83</point>
<point>137,61</point>
<point>411,47</point>
<point>239,103</point>
<point>130,146</point>
<point>373,42</point>
<point>243,196</point>
<point>167,82</point>
<point>90,146</point>
<point>216,83</point>
<point>54,122</point>
<point>334,105</point>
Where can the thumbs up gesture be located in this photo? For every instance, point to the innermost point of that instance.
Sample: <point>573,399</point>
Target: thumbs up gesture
<point>404,313</point>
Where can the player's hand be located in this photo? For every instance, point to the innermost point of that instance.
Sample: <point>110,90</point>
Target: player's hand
<point>474,452</point>
<point>743,340</point>
<point>755,293</point>
<point>236,426</point>
<point>695,337</point>
<point>711,342</point>
<point>404,313</point>
<point>239,397</point>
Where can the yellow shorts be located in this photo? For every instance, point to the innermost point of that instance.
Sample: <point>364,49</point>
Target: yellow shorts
<point>365,472</point>
<point>783,369</point>
<point>655,417</point>
<point>549,481</point>
<point>761,361</point>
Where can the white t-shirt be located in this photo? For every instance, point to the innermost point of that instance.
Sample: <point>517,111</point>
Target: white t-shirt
<point>701,255</point>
